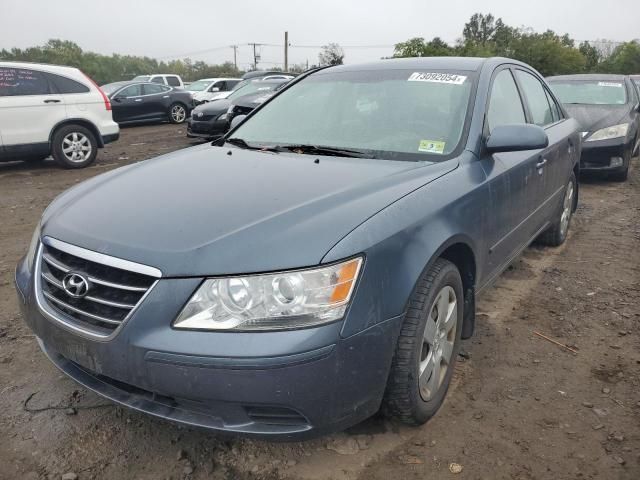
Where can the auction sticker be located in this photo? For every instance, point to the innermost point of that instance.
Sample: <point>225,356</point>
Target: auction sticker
<point>431,146</point>
<point>609,84</point>
<point>437,78</point>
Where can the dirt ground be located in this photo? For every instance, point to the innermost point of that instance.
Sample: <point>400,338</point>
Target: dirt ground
<point>520,407</point>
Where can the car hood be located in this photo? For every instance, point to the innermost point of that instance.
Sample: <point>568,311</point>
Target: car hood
<point>214,107</point>
<point>595,117</point>
<point>212,210</point>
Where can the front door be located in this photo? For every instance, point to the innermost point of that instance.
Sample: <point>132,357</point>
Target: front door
<point>127,105</point>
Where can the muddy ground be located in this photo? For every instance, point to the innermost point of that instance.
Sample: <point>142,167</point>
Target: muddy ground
<point>520,407</point>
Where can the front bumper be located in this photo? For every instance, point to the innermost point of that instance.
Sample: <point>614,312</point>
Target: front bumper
<point>206,128</point>
<point>280,385</point>
<point>605,155</point>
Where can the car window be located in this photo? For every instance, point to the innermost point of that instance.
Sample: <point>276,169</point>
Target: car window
<point>555,109</point>
<point>157,80</point>
<point>22,81</point>
<point>66,85</point>
<point>173,81</point>
<point>131,91</point>
<point>536,98</point>
<point>154,89</point>
<point>221,86</point>
<point>231,84</point>
<point>505,106</point>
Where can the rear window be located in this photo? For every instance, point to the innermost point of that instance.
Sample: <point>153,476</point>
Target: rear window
<point>590,92</point>
<point>22,81</point>
<point>66,85</point>
<point>173,81</point>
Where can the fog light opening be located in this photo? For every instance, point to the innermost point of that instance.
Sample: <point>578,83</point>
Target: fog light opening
<point>616,162</point>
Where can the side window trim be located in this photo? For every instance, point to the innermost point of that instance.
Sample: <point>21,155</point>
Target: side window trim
<point>496,71</point>
<point>525,100</point>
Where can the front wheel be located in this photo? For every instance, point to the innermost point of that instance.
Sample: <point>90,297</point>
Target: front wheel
<point>177,113</point>
<point>427,347</point>
<point>74,146</point>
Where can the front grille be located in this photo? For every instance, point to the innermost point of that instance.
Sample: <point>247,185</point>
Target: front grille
<point>112,295</point>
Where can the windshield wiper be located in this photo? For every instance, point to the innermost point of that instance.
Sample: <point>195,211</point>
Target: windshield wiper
<point>240,142</point>
<point>320,150</point>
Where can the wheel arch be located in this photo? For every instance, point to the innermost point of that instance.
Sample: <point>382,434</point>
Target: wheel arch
<point>83,122</point>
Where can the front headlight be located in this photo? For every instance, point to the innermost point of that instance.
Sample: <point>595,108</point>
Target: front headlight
<point>33,247</point>
<point>608,133</point>
<point>275,301</point>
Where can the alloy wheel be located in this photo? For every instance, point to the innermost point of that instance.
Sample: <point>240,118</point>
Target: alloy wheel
<point>178,113</point>
<point>437,342</point>
<point>567,207</point>
<point>76,147</point>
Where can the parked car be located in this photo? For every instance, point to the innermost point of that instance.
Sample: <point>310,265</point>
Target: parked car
<point>211,120</point>
<point>636,81</point>
<point>209,89</point>
<point>52,110</point>
<point>164,79</point>
<point>321,261</point>
<point>268,74</point>
<point>608,110</point>
<point>148,102</point>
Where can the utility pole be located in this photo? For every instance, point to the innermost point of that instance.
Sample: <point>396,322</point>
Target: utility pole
<point>235,56</point>
<point>286,51</point>
<point>256,56</point>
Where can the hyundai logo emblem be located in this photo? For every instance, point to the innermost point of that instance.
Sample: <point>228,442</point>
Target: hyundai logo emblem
<point>75,285</point>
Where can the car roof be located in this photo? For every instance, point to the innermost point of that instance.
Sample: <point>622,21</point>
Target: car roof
<point>40,66</point>
<point>588,76</point>
<point>438,63</point>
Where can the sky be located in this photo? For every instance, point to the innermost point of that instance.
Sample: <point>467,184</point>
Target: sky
<point>367,29</point>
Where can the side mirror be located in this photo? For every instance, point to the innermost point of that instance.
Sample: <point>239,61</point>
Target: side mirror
<point>237,120</point>
<point>515,138</point>
<point>117,99</point>
<point>214,89</point>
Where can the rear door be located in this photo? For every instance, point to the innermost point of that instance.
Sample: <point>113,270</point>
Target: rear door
<point>556,160</point>
<point>127,104</point>
<point>513,177</point>
<point>155,100</point>
<point>29,108</point>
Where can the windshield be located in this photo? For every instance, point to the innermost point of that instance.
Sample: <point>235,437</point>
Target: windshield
<point>142,78</point>
<point>199,86</point>
<point>590,92</point>
<point>250,87</point>
<point>392,114</point>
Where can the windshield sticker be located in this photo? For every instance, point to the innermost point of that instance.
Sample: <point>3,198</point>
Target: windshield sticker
<point>609,84</point>
<point>431,146</point>
<point>437,78</point>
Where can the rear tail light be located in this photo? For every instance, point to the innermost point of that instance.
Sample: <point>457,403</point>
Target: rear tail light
<point>107,102</point>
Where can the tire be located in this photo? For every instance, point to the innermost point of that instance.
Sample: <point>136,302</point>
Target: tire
<point>557,233</point>
<point>177,113</point>
<point>408,397</point>
<point>74,146</point>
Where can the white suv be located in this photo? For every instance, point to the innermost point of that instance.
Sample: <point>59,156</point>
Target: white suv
<point>162,78</point>
<point>51,110</point>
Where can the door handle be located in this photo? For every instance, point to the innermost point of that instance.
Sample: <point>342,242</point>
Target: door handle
<point>138,100</point>
<point>52,100</point>
<point>541,163</point>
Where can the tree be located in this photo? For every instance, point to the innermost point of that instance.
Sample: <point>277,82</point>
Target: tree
<point>625,58</point>
<point>591,55</point>
<point>479,29</point>
<point>331,54</point>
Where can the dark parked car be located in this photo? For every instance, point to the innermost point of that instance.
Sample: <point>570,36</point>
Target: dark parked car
<point>212,119</point>
<point>322,261</point>
<point>608,110</point>
<point>148,102</point>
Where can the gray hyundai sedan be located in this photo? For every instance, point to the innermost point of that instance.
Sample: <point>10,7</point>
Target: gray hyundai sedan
<point>320,262</point>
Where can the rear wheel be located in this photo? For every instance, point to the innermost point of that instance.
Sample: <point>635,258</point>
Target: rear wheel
<point>177,113</point>
<point>556,234</point>
<point>427,347</point>
<point>74,146</point>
